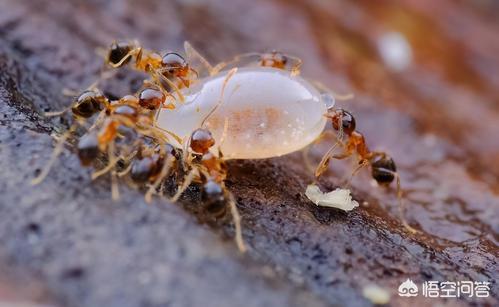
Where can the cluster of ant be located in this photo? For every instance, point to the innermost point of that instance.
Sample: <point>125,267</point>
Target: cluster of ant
<point>124,130</point>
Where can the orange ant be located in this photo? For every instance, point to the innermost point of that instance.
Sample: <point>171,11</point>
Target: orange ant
<point>383,168</point>
<point>170,71</point>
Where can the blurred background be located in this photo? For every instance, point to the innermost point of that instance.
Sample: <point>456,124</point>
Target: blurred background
<point>425,76</point>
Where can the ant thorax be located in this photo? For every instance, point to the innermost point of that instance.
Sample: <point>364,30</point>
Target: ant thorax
<point>261,112</point>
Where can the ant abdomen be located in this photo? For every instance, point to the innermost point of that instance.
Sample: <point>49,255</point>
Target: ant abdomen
<point>88,104</point>
<point>383,169</point>
<point>146,168</point>
<point>213,197</point>
<point>88,148</point>
<point>117,52</point>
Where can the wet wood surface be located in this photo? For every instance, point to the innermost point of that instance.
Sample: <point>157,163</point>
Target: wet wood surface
<point>435,110</point>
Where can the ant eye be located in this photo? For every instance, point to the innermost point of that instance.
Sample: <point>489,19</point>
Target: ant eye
<point>347,121</point>
<point>201,141</point>
<point>87,104</point>
<point>383,169</point>
<point>118,51</point>
<point>88,148</point>
<point>213,198</point>
<point>173,61</point>
<point>151,98</point>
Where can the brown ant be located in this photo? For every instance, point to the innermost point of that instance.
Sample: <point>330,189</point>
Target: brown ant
<point>211,171</point>
<point>383,168</point>
<point>129,114</point>
<point>170,71</point>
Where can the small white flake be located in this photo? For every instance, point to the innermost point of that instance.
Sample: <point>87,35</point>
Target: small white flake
<point>376,294</point>
<point>395,51</point>
<point>339,198</point>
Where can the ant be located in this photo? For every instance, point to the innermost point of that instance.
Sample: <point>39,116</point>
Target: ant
<point>383,168</point>
<point>155,137</point>
<point>128,116</point>
<point>171,71</point>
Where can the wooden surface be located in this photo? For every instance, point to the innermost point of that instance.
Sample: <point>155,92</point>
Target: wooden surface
<point>438,116</point>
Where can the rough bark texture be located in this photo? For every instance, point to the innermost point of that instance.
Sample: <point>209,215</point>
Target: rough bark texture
<point>439,118</point>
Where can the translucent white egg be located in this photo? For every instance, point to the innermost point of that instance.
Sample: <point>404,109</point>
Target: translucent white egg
<point>268,112</point>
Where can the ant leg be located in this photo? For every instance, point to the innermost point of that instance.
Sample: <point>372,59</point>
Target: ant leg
<point>187,182</point>
<point>128,159</point>
<point>115,192</point>
<point>137,51</point>
<point>306,151</point>
<point>202,67</point>
<point>230,74</point>
<point>324,89</point>
<point>165,170</point>
<point>295,67</point>
<point>57,151</point>
<point>321,168</point>
<point>160,77</point>
<point>363,163</point>
<point>401,204</point>
<point>56,113</point>
<point>112,160</point>
<point>237,61</point>
<point>222,138</point>
<point>237,223</point>
<point>125,171</point>
<point>158,133</point>
<point>326,159</point>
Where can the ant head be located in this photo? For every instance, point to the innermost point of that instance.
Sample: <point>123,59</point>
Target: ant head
<point>174,64</point>
<point>118,51</point>
<point>151,98</point>
<point>201,140</point>
<point>213,197</point>
<point>88,148</point>
<point>88,103</point>
<point>344,119</point>
<point>383,169</point>
<point>274,59</point>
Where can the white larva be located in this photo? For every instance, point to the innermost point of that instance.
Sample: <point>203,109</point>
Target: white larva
<point>266,112</point>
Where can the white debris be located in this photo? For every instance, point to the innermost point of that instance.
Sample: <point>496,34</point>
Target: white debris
<point>376,294</point>
<point>339,198</point>
<point>395,51</point>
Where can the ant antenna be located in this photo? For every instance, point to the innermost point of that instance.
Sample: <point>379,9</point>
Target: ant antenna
<point>237,222</point>
<point>57,151</point>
